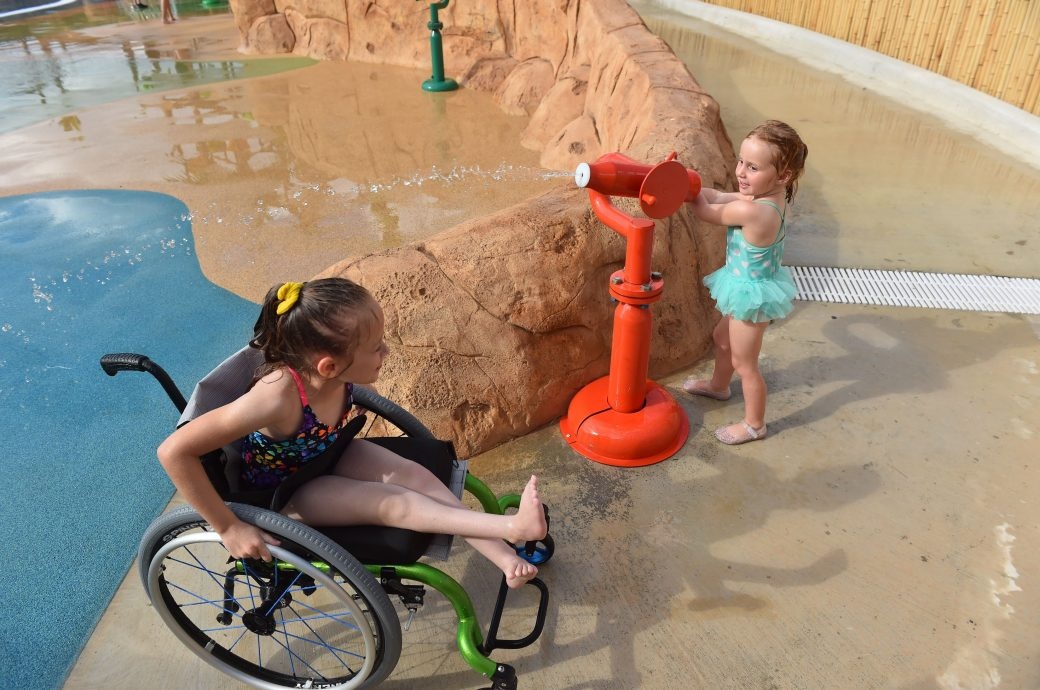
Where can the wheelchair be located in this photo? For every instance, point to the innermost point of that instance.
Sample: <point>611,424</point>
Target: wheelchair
<point>320,615</point>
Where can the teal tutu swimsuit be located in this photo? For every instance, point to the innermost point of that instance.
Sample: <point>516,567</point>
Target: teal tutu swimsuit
<point>753,285</point>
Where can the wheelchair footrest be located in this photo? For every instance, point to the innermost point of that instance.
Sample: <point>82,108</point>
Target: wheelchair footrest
<point>492,642</point>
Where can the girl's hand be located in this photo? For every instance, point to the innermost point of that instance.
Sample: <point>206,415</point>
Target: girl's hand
<point>247,541</point>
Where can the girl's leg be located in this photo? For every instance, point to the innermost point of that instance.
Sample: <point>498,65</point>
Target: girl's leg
<point>722,374</point>
<point>746,345</point>
<point>372,485</point>
<point>338,500</point>
<point>370,462</point>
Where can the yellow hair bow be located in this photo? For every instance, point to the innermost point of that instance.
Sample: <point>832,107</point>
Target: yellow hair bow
<point>288,295</point>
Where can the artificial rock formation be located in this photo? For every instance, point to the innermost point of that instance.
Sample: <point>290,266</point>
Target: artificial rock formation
<point>496,323</point>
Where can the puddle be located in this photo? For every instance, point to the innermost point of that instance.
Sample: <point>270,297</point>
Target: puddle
<point>288,173</point>
<point>54,64</point>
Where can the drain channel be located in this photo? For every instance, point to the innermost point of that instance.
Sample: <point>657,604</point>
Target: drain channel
<point>914,289</point>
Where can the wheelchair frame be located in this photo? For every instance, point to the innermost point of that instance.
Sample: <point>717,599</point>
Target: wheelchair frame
<point>307,562</point>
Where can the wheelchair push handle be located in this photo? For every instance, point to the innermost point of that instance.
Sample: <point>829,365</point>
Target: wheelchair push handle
<point>124,361</point>
<point>116,362</point>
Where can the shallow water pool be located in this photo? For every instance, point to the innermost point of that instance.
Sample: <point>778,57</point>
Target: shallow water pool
<point>885,185</point>
<point>57,62</point>
<point>282,174</point>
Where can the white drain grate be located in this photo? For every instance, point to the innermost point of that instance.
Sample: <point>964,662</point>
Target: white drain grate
<point>912,289</point>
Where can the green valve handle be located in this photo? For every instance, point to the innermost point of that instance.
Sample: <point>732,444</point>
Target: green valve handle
<point>437,82</point>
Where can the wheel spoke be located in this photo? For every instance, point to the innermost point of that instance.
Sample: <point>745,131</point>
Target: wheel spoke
<point>289,623</point>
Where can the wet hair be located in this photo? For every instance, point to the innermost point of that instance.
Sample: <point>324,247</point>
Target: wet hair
<point>331,316</point>
<point>789,152</point>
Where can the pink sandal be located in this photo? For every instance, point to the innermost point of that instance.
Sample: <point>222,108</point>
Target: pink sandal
<point>700,387</point>
<point>751,434</point>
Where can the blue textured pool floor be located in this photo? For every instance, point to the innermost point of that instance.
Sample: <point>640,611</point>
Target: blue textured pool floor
<point>88,273</point>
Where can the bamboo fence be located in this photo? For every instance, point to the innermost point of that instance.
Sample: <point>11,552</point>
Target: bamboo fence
<point>990,45</point>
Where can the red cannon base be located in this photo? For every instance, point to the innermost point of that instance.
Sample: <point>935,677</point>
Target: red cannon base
<point>624,439</point>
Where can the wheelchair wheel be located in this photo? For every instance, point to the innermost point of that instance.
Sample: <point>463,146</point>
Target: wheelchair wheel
<point>314,617</point>
<point>387,418</point>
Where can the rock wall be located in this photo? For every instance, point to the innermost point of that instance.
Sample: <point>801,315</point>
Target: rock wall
<point>496,323</point>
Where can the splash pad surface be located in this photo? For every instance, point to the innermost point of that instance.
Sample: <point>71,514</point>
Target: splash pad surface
<point>786,544</point>
<point>77,487</point>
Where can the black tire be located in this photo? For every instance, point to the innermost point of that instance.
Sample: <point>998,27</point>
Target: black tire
<point>315,617</point>
<point>387,418</point>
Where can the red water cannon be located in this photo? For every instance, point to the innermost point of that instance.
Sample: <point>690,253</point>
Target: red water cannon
<point>661,189</point>
<point>625,419</point>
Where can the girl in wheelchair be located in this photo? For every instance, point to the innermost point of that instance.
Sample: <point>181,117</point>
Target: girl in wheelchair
<point>318,339</point>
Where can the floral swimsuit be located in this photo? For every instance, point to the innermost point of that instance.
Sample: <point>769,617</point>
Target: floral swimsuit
<point>267,462</point>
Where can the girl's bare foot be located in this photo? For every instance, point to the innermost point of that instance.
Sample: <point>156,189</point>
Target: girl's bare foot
<point>528,523</point>
<point>519,573</point>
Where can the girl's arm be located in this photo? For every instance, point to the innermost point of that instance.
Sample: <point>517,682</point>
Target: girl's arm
<point>180,455</point>
<point>714,196</point>
<point>721,208</point>
<point>757,221</point>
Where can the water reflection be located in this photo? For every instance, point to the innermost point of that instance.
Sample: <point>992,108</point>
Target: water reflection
<point>289,173</point>
<point>885,186</point>
<point>311,174</point>
<point>62,61</point>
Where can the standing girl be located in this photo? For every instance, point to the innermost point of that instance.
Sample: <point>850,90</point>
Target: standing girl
<point>318,339</point>
<point>753,288</point>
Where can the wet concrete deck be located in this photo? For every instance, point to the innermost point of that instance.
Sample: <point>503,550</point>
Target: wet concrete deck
<point>885,535</point>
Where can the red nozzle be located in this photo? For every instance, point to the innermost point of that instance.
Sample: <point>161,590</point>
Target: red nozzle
<point>661,189</point>
<point>612,174</point>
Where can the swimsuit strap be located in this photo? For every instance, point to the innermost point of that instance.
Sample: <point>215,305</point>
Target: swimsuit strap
<point>783,228</point>
<point>299,386</point>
